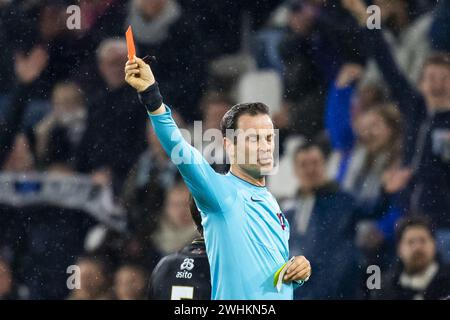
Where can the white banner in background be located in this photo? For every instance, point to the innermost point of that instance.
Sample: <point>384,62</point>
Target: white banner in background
<point>71,192</point>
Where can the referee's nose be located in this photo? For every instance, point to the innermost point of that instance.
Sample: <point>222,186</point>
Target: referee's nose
<point>264,146</point>
<point>265,154</point>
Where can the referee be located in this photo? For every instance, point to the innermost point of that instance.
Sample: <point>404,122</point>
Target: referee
<point>246,234</point>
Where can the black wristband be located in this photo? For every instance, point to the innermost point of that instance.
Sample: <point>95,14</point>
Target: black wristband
<point>151,97</point>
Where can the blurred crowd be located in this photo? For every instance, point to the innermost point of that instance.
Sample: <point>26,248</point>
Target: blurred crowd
<point>364,137</point>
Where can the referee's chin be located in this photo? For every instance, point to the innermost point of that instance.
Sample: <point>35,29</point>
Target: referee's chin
<point>265,170</point>
<point>257,171</point>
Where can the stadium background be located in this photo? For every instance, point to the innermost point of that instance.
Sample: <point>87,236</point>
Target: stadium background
<point>84,180</point>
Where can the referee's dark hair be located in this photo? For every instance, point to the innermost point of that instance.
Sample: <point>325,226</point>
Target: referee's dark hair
<point>196,215</point>
<point>230,119</point>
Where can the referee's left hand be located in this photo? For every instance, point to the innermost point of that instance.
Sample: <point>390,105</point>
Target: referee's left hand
<point>300,269</point>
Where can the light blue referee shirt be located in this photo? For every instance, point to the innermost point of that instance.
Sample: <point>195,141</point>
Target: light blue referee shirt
<point>245,232</point>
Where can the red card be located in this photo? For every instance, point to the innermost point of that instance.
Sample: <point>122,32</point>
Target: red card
<point>130,43</point>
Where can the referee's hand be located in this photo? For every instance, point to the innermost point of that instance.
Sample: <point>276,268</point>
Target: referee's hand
<point>300,269</point>
<point>138,74</point>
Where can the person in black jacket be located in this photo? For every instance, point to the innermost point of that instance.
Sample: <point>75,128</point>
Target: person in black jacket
<point>322,208</point>
<point>184,274</point>
<point>420,274</point>
<point>27,68</point>
<point>314,42</point>
<point>115,131</point>
<point>426,113</point>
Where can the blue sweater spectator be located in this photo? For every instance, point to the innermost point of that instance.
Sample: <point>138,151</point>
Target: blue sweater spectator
<point>361,155</point>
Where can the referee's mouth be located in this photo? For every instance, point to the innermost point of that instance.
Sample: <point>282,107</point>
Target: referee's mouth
<point>265,160</point>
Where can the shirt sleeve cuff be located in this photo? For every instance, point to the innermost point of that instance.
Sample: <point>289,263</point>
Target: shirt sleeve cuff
<point>168,112</point>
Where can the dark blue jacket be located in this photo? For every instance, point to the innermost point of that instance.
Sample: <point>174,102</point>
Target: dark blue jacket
<point>328,245</point>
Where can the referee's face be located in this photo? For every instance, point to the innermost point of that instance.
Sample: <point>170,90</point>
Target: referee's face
<point>253,147</point>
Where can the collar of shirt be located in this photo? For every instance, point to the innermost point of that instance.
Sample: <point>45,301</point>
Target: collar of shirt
<point>419,281</point>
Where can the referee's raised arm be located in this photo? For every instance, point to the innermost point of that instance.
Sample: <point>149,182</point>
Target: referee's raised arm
<point>139,75</point>
<point>208,188</point>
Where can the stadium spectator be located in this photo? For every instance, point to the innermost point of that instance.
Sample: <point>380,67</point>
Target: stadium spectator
<point>184,274</point>
<point>175,227</point>
<point>426,113</point>
<point>7,288</point>
<point>440,28</point>
<point>366,134</point>
<point>53,238</point>
<point>47,26</point>
<point>213,106</point>
<point>407,34</point>
<point>303,51</point>
<point>313,47</point>
<point>131,248</point>
<point>130,283</point>
<point>95,13</point>
<point>149,181</point>
<point>163,29</point>
<point>20,159</point>
<point>56,138</point>
<point>420,275</point>
<point>363,154</point>
<point>103,19</point>
<point>18,24</point>
<point>27,70</point>
<point>319,208</point>
<point>114,136</point>
<point>6,77</point>
<point>93,280</point>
